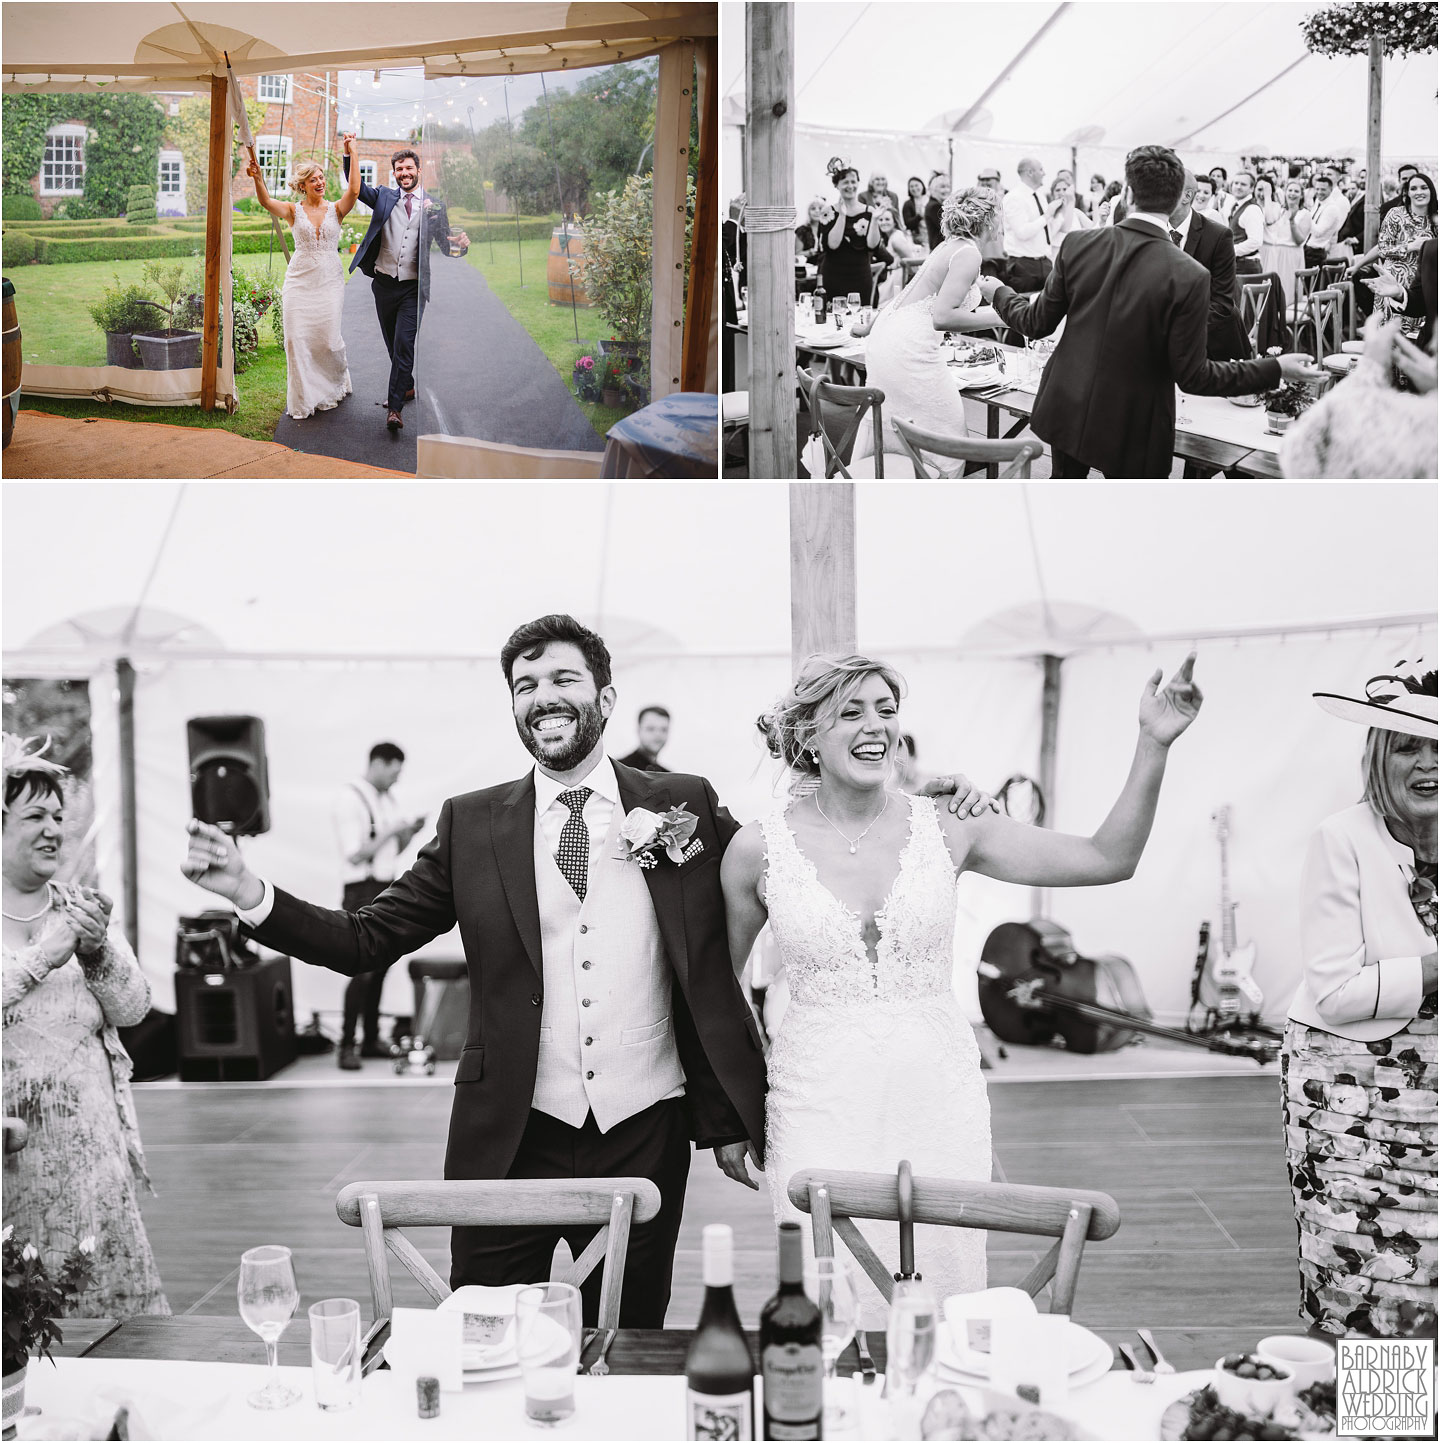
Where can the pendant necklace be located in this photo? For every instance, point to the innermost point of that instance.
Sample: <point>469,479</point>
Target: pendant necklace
<point>855,844</point>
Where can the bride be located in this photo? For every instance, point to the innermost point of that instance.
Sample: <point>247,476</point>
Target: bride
<point>317,375</point>
<point>873,1060</point>
<point>903,358</point>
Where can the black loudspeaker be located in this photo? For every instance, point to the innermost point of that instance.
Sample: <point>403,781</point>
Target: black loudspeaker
<point>235,1026</point>
<point>229,780</point>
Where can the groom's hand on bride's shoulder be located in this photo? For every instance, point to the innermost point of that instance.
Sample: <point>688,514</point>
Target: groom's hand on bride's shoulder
<point>730,1159</point>
<point>966,799</point>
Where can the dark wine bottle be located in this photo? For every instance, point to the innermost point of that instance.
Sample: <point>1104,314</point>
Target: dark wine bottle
<point>791,1357</point>
<point>719,1373</point>
<point>819,301</point>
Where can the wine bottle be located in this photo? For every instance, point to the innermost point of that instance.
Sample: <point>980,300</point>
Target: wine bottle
<point>791,1357</point>
<point>819,302</point>
<point>719,1373</point>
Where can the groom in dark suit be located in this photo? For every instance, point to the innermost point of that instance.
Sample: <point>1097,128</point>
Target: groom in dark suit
<point>395,254</point>
<point>607,1029</point>
<point>1135,308</point>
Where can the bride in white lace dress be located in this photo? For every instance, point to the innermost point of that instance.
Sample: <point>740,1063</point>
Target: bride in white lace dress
<point>317,372</point>
<point>874,1060</point>
<point>903,358</point>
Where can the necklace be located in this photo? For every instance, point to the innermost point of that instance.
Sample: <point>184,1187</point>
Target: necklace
<point>853,844</point>
<point>34,916</point>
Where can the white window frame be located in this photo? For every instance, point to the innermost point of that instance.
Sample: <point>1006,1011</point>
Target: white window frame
<point>369,171</point>
<point>72,132</point>
<point>277,184</point>
<point>171,157</point>
<point>287,86</point>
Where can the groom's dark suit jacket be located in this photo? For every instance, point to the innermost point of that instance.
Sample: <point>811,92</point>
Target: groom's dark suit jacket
<point>479,871</point>
<point>382,200</point>
<point>1136,308</point>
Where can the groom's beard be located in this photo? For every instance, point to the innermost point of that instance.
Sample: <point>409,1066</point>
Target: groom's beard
<point>589,727</point>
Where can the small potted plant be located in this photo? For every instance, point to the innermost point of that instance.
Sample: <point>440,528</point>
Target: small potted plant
<point>34,1300</point>
<point>170,349</point>
<point>120,312</point>
<point>586,378</point>
<point>1282,406</point>
<point>613,371</point>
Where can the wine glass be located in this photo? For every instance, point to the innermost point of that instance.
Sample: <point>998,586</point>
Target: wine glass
<point>268,1299</point>
<point>910,1337</point>
<point>853,298</point>
<point>828,1281</point>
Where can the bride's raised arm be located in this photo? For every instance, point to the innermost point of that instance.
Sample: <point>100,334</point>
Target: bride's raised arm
<point>1035,857</point>
<point>280,209</point>
<point>346,203</point>
<point>741,870</point>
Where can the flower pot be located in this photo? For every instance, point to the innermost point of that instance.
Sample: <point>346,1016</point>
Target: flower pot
<point>169,350</point>
<point>12,1400</point>
<point>612,397</point>
<point>119,350</point>
<point>1276,424</point>
<point>354,248</point>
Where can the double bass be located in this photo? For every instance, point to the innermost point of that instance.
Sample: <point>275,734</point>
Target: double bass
<point>1036,987</point>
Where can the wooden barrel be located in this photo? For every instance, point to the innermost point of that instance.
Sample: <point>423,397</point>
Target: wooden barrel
<point>10,402</point>
<point>557,271</point>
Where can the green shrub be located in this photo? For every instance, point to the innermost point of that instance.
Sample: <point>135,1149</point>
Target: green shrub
<point>124,308</point>
<point>90,230</point>
<point>140,205</point>
<point>20,207</point>
<point>76,208</point>
<point>501,228</point>
<point>246,333</point>
<point>19,248</point>
<point>157,247</point>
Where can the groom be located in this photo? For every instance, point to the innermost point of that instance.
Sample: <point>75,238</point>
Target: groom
<point>396,255</point>
<point>607,1029</point>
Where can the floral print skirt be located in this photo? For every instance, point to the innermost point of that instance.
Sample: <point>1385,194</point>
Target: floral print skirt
<point>1360,1143</point>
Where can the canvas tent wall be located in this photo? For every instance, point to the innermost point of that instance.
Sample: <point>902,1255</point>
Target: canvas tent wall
<point>1286,589</point>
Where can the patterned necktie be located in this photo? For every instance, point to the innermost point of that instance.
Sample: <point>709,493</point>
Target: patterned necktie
<point>1041,209</point>
<point>1175,237</point>
<point>573,858</point>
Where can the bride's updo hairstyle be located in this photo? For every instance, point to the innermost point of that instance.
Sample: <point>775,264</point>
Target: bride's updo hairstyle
<point>838,169</point>
<point>812,704</point>
<point>968,213</point>
<point>302,175</point>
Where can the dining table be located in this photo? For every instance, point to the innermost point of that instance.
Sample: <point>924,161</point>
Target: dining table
<point>188,1377</point>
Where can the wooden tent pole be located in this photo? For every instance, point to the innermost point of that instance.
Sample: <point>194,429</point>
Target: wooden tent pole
<point>822,568</point>
<point>1049,732</point>
<point>216,199</point>
<point>697,365</point>
<point>1372,143</point>
<point>129,826</point>
<point>770,254</point>
<point>674,92</point>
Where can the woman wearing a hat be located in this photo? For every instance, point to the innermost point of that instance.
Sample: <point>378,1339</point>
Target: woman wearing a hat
<point>1359,1066</point>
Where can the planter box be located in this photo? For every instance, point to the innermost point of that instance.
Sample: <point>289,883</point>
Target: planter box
<point>169,350</point>
<point>120,350</point>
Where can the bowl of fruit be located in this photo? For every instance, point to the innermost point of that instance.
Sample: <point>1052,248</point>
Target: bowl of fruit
<point>1251,1384</point>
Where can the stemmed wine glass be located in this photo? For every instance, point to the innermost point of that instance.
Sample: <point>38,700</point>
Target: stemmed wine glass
<point>828,1281</point>
<point>268,1299</point>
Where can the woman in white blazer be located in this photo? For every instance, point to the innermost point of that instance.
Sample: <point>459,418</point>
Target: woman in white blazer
<point>1359,1063</point>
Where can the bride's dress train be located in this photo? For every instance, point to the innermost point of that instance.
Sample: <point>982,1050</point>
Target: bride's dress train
<point>317,373</point>
<point>874,1060</point>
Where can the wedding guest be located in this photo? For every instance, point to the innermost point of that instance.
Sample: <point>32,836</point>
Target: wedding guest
<point>1028,228</point>
<point>877,194</point>
<point>850,239</point>
<point>1210,243</point>
<point>1111,207</point>
<point>1415,300</point>
<point>652,731</point>
<point>992,240</point>
<point>939,194</point>
<point>1097,193</point>
<point>1224,201</point>
<point>894,245</point>
<point>1286,227</point>
<point>69,981</point>
<point>1358,1071</point>
<point>1069,218</point>
<point>1204,201</point>
<point>1403,231</point>
<point>371,832</point>
<point>809,238</point>
<point>733,255</point>
<point>1247,225</point>
<point>1352,233</point>
<point>912,213</point>
<point>1327,215</point>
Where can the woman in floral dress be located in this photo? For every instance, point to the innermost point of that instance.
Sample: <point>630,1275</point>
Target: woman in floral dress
<point>1403,231</point>
<point>1359,1077</point>
<point>68,982</point>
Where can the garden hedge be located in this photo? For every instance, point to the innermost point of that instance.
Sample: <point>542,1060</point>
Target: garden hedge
<point>19,248</point>
<point>91,230</point>
<point>20,207</point>
<point>501,229</point>
<point>124,248</point>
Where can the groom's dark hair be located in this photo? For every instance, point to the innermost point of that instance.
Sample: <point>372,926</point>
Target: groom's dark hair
<point>532,639</point>
<point>401,154</point>
<point>1155,177</point>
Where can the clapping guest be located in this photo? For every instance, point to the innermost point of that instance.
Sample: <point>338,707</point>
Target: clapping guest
<point>1108,211</point>
<point>1096,195</point>
<point>1224,201</point>
<point>1403,232</point>
<point>1327,215</point>
<point>1069,217</point>
<point>1417,299</point>
<point>878,194</point>
<point>809,238</point>
<point>939,193</point>
<point>1286,228</point>
<point>1029,223</point>
<point>850,239</point>
<point>1247,224</point>
<point>912,213</point>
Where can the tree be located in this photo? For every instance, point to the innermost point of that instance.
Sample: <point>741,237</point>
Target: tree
<point>192,137</point>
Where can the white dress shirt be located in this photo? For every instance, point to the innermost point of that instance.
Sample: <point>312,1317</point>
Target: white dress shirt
<point>1326,218</point>
<point>1184,226</point>
<point>1027,229</point>
<point>361,814</point>
<point>1160,222</point>
<point>1224,204</point>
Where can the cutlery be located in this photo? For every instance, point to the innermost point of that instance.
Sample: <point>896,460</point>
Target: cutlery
<point>1137,1373</point>
<point>586,1338</point>
<point>599,1368</point>
<point>1148,1338</point>
<point>867,1363</point>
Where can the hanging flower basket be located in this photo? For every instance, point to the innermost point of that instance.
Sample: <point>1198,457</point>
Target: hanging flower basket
<point>1404,28</point>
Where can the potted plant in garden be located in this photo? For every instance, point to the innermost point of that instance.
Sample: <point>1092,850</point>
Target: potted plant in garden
<point>585,378</point>
<point>34,1300</point>
<point>613,370</point>
<point>120,312</point>
<point>169,349</point>
<point>1282,406</point>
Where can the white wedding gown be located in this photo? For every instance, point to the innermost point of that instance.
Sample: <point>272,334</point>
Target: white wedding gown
<point>317,374</point>
<point>903,359</point>
<point>874,1060</point>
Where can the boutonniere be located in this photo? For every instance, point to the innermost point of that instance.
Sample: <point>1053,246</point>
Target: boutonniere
<point>645,832</point>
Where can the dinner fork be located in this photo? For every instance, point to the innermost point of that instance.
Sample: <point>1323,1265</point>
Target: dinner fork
<point>1137,1373</point>
<point>599,1368</point>
<point>1148,1338</point>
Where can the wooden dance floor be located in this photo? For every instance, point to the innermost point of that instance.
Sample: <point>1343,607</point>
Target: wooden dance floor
<point>1207,1244</point>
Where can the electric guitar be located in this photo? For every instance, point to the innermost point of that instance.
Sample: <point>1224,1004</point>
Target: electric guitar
<point>1225,982</point>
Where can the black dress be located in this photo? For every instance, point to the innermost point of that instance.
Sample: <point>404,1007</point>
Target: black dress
<point>913,218</point>
<point>847,267</point>
<point>810,240</point>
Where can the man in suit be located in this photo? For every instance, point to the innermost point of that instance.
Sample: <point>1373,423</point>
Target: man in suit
<point>1213,246</point>
<point>395,254</point>
<point>652,731</point>
<point>607,1028</point>
<point>1135,308</point>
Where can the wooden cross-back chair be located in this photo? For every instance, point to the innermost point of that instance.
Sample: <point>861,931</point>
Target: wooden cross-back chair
<point>836,415</point>
<point>1254,297</point>
<point>1327,322</point>
<point>381,1209</point>
<point>916,442</point>
<point>1072,1216</point>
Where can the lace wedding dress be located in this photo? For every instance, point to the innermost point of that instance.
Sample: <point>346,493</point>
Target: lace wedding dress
<point>903,359</point>
<point>874,1060</point>
<point>317,375</point>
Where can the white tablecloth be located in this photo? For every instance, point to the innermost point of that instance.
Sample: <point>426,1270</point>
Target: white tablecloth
<point>207,1401</point>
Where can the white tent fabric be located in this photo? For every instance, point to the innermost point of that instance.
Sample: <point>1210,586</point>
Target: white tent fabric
<point>360,613</point>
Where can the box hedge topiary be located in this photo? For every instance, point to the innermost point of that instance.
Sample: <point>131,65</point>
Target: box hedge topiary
<point>20,207</point>
<point>19,248</point>
<point>124,248</point>
<point>140,205</point>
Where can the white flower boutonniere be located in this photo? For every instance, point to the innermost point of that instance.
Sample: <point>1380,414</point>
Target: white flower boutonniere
<point>645,832</point>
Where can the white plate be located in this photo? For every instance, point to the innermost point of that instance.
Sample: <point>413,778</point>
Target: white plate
<point>480,1357</point>
<point>971,378</point>
<point>823,340</point>
<point>1090,1357</point>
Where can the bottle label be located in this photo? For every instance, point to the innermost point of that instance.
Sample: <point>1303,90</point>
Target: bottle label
<point>729,1417</point>
<point>794,1376</point>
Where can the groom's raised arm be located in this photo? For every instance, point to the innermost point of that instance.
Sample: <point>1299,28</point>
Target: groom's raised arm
<point>368,193</point>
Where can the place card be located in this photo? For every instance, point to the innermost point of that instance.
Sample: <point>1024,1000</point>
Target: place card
<point>1031,1352</point>
<point>427,1344</point>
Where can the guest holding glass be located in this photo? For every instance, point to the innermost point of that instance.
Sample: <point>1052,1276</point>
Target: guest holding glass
<point>69,981</point>
<point>912,213</point>
<point>1287,227</point>
<point>1358,1071</point>
<point>850,239</point>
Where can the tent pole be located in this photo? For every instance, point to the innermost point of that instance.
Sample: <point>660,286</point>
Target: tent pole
<point>129,832</point>
<point>822,567</point>
<point>704,255</point>
<point>674,94</point>
<point>215,202</point>
<point>770,272</point>
<point>1005,74</point>
<point>1049,729</point>
<point>1372,143</point>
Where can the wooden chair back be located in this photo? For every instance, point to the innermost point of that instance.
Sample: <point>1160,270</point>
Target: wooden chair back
<point>1254,295</point>
<point>1327,322</point>
<point>836,415</point>
<point>382,1209</point>
<point>1330,273</point>
<point>1306,280</point>
<point>1347,295</point>
<point>914,441</point>
<point>1073,1216</point>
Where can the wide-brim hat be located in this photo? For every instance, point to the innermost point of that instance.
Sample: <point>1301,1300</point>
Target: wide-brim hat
<point>1400,701</point>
